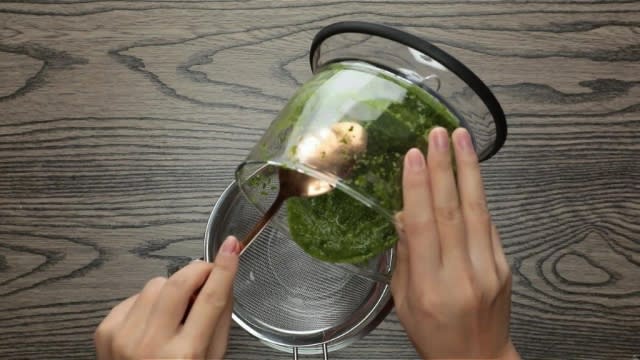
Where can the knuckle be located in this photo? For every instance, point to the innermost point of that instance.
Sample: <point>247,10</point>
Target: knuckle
<point>155,284</point>
<point>440,164</point>
<point>470,163</point>
<point>470,302</point>
<point>119,342</point>
<point>416,222</point>
<point>121,347</point>
<point>506,278</point>
<point>178,282</point>
<point>429,303</point>
<point>192,352</point>
<point>504,274</point>
<point>399,221</point>
<point>226,269</point>
<point>147,348</point>
<point>402,248</point>
<point>439,160</point>
<point>415,179</point>
<point>198,266</point>
<point>470,295</point>
<point>152,289</point>
<point>102,333</point>
<point>213,298</point>
<point>492,288</point>
<point>477,208</point>
<point>448,214</point>
<point>508,274</point>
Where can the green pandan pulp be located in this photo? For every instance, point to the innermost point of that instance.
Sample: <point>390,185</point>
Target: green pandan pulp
<point>335,227</point>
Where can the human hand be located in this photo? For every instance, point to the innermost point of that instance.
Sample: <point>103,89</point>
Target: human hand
<point>156,322</point>
<point>452,283</point>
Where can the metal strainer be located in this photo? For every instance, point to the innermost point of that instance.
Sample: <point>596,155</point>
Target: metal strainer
<point>287,299</point>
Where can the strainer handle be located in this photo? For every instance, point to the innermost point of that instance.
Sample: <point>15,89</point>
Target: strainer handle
<point>325,352</point>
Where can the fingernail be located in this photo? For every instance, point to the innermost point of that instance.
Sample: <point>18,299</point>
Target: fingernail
<point>440,139</point>
<point>464,141</point>
<point>229,246</point>
<point>415,159</point>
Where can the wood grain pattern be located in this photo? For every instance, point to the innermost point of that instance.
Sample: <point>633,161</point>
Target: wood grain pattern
<point>122,121</point>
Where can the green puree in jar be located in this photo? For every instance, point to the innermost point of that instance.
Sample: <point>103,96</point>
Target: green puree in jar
<point>336,227</point>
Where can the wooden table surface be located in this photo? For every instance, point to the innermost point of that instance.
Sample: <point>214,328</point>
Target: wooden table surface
<point>121,122</point>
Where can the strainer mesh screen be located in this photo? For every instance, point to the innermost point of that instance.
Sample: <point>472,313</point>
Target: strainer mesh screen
<point>279,286</point>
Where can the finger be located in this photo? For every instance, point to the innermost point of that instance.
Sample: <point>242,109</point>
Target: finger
<point>446,204</point>
<point>213,297</point>
<point>419,225</point>
<point>136,318</point>
<point>169,310</point>
<point>109,326</point>
<point>474,205</point>
<point>502,264</point>
<point>399,279</point>
<point>218,345</point>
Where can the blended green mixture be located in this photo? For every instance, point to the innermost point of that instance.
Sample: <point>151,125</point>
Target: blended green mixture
<point>336,227</point>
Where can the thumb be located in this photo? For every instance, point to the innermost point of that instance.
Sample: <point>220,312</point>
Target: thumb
<point>215,295</point>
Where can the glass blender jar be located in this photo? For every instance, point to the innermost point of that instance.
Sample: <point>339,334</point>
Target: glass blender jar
<point>375,93</point>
